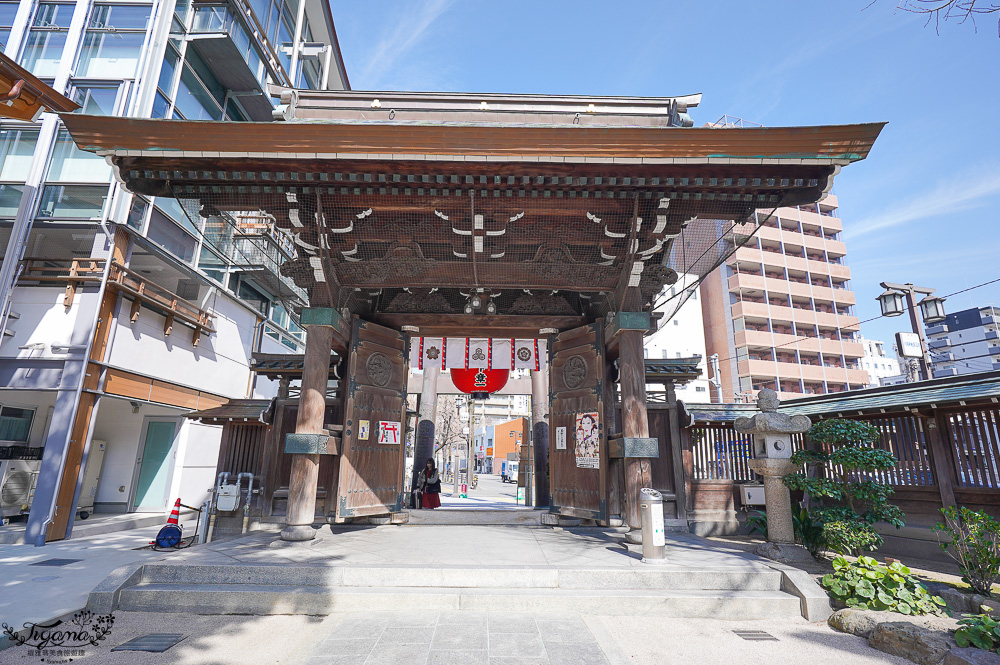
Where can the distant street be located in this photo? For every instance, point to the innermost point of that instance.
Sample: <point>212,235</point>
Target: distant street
<point>490,489</point>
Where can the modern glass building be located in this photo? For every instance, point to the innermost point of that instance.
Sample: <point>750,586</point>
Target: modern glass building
<point>120,313</point>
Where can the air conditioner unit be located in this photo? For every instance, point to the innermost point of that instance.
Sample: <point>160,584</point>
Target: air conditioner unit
<point>752,495</point>
<point>17,485</point>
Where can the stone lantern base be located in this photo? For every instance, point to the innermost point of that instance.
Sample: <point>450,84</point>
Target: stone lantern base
<point>780,528</point>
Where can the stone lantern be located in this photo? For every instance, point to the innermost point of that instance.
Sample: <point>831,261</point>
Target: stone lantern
<point>772,447</point>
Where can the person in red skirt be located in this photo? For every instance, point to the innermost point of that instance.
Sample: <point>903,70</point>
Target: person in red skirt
<point>430,484</point>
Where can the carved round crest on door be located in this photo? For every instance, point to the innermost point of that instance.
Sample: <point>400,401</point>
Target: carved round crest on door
<point>379,369</point>
<point>575,372</point>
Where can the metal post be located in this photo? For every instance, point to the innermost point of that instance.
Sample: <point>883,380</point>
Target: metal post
<point>911,301</point>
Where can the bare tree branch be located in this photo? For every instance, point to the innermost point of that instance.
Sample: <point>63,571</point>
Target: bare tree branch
<point>959,11</point>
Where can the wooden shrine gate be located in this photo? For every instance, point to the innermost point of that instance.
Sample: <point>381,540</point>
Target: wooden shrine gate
<point>578,451</point>
<point>373,447</point>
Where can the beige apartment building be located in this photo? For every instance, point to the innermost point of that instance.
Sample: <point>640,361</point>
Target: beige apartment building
<point>780,314</point>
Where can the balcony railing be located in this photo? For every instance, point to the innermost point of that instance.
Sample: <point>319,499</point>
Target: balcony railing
<point>71,272</point>
<point>75,272</point>
<point>154,296</point>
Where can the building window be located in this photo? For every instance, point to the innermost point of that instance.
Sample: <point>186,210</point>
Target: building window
<point>7,12</point>
<point>15,423</point>
<point>113,42</point>
<point>70,164</point>
<point>72,201</point>
<point>10,199</point>
<point>171,237</point>
<point>47,38</point>
<point>17,148</point>
<point>96,99</point>
<point>137,214</point>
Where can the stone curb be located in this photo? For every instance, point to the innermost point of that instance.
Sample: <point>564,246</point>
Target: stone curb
<point>813,600</point>
<point>104,598</point>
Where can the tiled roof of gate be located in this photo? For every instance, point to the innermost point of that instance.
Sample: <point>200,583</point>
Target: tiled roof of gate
<point>234,409</point>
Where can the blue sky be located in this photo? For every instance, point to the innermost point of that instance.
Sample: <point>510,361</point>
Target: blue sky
<point>923,208</point>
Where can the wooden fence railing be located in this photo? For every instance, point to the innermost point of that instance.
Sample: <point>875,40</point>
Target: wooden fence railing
<point>946,456</point>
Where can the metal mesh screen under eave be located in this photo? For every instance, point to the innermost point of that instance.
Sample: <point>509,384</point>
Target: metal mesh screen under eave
<point>430,245</point>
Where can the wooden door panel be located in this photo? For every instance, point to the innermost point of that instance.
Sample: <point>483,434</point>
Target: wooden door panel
<point>371,473</point>
<point>576,387</point>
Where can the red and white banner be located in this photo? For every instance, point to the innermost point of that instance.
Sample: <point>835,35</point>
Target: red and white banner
<point>478,352</point>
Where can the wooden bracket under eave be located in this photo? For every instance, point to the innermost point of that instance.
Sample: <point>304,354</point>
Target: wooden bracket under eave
<point>168,324</point>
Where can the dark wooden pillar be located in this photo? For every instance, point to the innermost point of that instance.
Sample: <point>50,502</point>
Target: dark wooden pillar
<point>312,408</point>
<point>635,422</point>
<point>616,472</point>
<point>941,458</point>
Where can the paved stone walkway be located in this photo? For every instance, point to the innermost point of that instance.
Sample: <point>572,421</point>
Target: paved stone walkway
<point>459,638</point>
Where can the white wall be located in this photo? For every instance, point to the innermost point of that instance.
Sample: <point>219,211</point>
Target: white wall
<point>219,364</point>
<point>683,336</point>
<point>266,388</point>
<point>197,457</point>
<point>122,430</point>
<point>44,320</point>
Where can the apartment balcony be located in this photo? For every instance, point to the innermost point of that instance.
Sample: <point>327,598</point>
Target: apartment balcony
<point>742,282</point>
<point>758,339</point>
<point>260,249</point>
<point>936,329</point>
<point>224,43</point>
<point>943,342</point>
<point>752,309</point>
<point>827,223</point>
<point>837,270</point>
<point>992,334</point>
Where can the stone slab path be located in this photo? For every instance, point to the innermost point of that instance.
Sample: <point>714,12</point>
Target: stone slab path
<point>459,638</point>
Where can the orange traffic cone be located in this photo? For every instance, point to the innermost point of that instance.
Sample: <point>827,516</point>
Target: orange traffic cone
<point>175,513</point>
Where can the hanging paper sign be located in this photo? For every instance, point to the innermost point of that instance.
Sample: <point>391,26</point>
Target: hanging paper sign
<point>388,432</point>
<point>484,353</point>
<point>479,380</point>
<point>588,441</point>
<point>560,438</point>
<point>363,426</point>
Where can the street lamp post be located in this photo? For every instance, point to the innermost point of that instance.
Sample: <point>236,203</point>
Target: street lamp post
<point>931,308</point>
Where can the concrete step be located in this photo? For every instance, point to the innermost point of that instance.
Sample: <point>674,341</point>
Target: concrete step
<point>467,516</point>
<point>287,599</point>
<point>762,579</point>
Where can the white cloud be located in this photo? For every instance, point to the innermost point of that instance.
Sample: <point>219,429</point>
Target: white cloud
<point>407,32</point>
<point>963,192</point>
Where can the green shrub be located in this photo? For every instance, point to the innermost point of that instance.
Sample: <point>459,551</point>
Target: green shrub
<point>852,503</point>
<point>974,539</point>
<point>757,523</point>
<point>809,530</point>
<point>978,630</point>
<point>865,584</point>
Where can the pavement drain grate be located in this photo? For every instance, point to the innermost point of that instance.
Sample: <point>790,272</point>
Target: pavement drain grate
<point>55,562</point>
<point>153,643</point>
<point>756,635</point>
